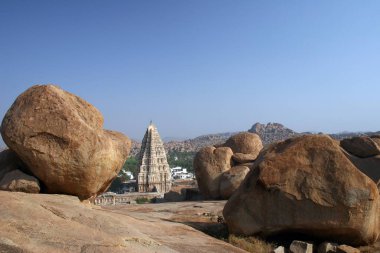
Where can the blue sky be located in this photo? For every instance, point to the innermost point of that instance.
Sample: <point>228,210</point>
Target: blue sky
<point>200,66</point>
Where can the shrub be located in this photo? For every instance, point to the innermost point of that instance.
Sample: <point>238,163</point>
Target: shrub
<point>142,200</point>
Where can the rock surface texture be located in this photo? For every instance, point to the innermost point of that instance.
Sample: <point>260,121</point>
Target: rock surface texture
<point>61,139</point>
<point>45,223</point>
<point>306,185</point>
<point>220,170</point>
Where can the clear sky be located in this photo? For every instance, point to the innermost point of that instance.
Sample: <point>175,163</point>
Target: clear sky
<point>200,66</point>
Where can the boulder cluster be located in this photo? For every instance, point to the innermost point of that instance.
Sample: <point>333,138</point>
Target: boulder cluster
<point>220,169</point>
<point>57,144</point>
<point>311,185</point>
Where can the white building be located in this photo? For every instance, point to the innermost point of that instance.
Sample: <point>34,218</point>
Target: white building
<point>181,173</point>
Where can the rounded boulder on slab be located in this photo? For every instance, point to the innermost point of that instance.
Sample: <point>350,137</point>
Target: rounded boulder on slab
<point>361,146</point>
<point>306,185</point>
<point>209,163</point>
<point>61,139</point>
<point>246,143</point>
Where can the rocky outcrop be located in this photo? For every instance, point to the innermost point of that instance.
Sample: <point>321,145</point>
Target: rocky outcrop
<point>362,146</point>
<point>44,223</point>
<point>272,132</point>
<point>209,164</point>
<point>61,139</point>
<point>220,170</point>
<point>306,185</point>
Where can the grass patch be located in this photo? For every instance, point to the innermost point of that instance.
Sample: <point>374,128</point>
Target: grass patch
<point>250,244</point>
<point>143,200</point>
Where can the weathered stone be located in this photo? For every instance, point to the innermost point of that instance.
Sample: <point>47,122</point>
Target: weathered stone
<point>306,185</point>
<point>241,158</point>
<point>279,249</point>
<point>327,247</point>
<point>18,181</point>
<point>301,247</point>
<point>60,138</point>
<point>247,143</point>
<point>230,180</point>
<point>361,146</point>
<point>154,173</point>
<point>209,163</point>
<point>346,249</point>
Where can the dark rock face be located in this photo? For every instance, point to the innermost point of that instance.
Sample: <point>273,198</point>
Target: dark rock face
<point>306,185</point>
<point>61,139</point>
<point>362,146</point>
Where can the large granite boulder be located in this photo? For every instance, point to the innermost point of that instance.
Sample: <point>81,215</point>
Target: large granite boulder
<point>306,185</point>
<point>209,163</point>
<point>61,139</point>
<point>230,180</point>
<point>246,143</point>
<point>13,176</point>
<point>361,146</point>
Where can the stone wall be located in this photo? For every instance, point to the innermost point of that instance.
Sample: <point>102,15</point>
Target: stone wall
<point>123,199</point>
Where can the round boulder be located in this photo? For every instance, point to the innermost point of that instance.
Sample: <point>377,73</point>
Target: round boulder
<point>306,185</point>
<point>209,163</point>
<point>61,139</point>
<point>245,142</point>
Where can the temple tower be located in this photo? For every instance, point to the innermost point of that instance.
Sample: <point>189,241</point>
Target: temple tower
<point>154,173</point>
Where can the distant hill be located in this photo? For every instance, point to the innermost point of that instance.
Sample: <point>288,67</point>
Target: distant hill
<point>269,133</point>
<point>272,132</point>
